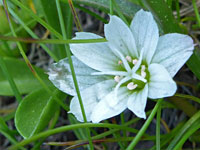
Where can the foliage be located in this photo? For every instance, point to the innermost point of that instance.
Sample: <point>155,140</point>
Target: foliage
<point>39,104</point>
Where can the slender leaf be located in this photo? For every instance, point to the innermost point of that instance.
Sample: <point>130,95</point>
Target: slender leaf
<point>129,9</point>
<point>22,76</point>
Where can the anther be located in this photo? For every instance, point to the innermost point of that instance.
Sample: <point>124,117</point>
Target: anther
<point>131,86</point>
<point>134,61</point>
<point>143,74</point>
<point>143,67</point>
<point>119,62</point>
<point>129,58</point>
<point>117,78</point>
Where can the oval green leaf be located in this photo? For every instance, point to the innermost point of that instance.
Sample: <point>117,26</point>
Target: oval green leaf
<point>35,111</point>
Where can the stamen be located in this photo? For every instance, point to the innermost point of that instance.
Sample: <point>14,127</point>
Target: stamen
<point>143,74</point>
<point>143,67</point>
<point>134,61</point>
<point>131,86</point>
<point>128,58</point>
<point>117,78</point>
<point>119,62</point>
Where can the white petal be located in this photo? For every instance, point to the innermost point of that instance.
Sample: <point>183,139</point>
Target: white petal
<point>96,55</point>
<point>137,102</point>
<point>145,32</point>
<point>90,97</point>
<point>109,107</point>
<point>161,83</point>
<point>120,37</point>
<point>60,75</point>
<point>173,51</point>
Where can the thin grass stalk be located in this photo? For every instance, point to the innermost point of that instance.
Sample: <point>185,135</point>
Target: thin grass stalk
<point>37,18</point>
<point>28,62</point>
<point>10,80</point>
<point>50,41</point>
<point>76,19</point>
<point>158,128</point>
<point>71,127</point>
<point>111,7</point>
<point>72,70</point>
<point>196,10</point>
<point>30,32</point>
<point>145,126</point>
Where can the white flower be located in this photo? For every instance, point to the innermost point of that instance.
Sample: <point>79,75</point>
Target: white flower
<point>134,64</point>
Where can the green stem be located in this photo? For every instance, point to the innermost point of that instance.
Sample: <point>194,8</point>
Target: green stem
<point>70,127</point>
<point>32,34</point>
<point>158,128</point>
<point>33,15</point>
<point>183,130</point>
<point>196,10</point>
<point>76,19</point>
<point>111,7</point>
<point>123,122</point>
<point>72,70</point>
<point>144,127</point>
<point>29,64</point>
<point>50,41</point>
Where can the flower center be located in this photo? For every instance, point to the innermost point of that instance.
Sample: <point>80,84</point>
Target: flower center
<point>139,76</point>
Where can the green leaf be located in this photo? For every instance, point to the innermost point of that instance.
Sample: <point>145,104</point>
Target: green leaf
<point>6,131</point>
<point>35,111</point>
<point>194,63</point>
<point>189,127</point>
<point>22,76</point>
<point>128,8</point>
<point>163,15</point>
<point>50,12</point>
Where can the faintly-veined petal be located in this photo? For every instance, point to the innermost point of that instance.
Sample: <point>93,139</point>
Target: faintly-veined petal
<point>108,107</point>
<point>60,75</point>
<point>161,83</point>
<point>137,102</point>
<point>173,51</point>
<point>145,32</point>
<point>91,97</point>
<point>119,37</point>
<point>96,55</point>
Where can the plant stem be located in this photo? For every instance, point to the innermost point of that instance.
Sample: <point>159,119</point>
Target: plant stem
<point>144,127</point>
